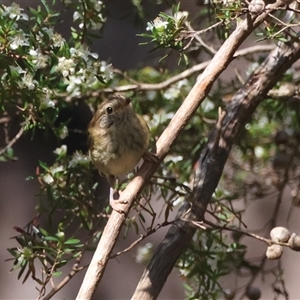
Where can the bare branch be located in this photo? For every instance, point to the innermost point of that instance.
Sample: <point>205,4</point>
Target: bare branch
<point>196,36</point>
<point>269,242</point>
<point>59,286</point>
<point>142,237</point>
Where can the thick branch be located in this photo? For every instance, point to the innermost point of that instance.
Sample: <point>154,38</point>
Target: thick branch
<point>198,93</point>
<point>211,164</point>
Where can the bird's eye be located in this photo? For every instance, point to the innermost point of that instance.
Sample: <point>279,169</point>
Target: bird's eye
<point>109,110</point>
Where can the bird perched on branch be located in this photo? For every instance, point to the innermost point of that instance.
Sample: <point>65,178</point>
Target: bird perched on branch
<point>118,139</point>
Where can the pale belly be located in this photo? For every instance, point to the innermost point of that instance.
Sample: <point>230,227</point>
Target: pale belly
<point>117,159</point>
<point>117,165</point>
<point>122,165</point>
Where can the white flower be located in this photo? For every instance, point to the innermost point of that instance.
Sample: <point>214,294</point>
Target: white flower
<point>208,105</point>
<point>63,132</point>
<point>172,93</point>
<point>19,40</point>
<point>184,271</point>
<point>27,81</point>
<point>78,159</point>
<point>173,158</point>
<point>61,151</point>
<point>106,69</point>
<point>144,253</point>
<point>182,83</point>
<point>49,31</point>
<point>259,151</point>
<point>158,24</point>
<point>180,17</point>
<point>46,103</point>
<point>58,40</point>
<point>47,178</point>
<point>88,76</point>
<point>73,83</point>
<point>98,5</point>
<point>160,117</point>
<point>14,12</point>
<point>33,52</point>
<point>96,26</point>
<point>55,170</point>
<point>17,69</point>
<point>179,200</point>
<point>65,66</point>
<point>76,16</point>
<point>83,52</point>
<point>39,59</point>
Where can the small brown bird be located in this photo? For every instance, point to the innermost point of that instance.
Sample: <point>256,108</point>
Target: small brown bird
<point>118,139</point>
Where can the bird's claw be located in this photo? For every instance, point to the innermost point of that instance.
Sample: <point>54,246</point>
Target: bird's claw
<point>115,203</point>
<point>151,157</point>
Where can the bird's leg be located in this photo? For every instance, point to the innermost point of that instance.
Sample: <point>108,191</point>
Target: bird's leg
<point>114,195</point>
<point>151,157</point>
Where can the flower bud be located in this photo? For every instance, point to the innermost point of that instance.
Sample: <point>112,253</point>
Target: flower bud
<point>274,251</point>
<point>280,234</point>
<point>294,242</point>
<point>256,7</point>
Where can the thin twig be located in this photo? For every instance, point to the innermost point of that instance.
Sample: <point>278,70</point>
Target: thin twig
<point>142,237</point>
<point>208,28</point>
<point>59,286</point>
<point>269,242</point>
<point>142,86</point>
<point>185,74</point>
<point>75,269</point>
<point>13,141</point>
<point>199,39</point>
<point>5,120</point>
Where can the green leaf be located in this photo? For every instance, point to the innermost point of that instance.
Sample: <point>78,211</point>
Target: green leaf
<point>44,232</point>
<point>56,274</point>
<point>51,238</point>
<point>72,241</point>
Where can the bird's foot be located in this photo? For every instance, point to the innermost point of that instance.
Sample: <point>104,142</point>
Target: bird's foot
<point>151,157</point>
<point>115,203</point>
